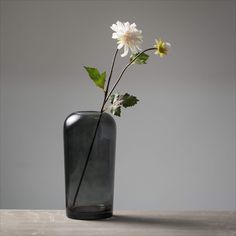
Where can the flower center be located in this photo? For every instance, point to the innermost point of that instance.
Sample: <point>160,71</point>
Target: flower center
<point>162,48</point>
<point>129,38</point>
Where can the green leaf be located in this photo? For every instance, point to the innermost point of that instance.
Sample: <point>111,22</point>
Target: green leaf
<point>116,110</point>
<point>117,101</point>
<point>141,59</point>
<point>129,100</point>
<point>103,77</point>
<point>115,107</point>
<point>94,74</point>
<point>114,98</point>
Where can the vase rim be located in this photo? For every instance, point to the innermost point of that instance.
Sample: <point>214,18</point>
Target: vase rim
<point>87,112</point>
<point>75,116</point>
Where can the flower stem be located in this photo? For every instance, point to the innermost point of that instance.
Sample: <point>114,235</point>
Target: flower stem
<point>109,79</point>
<point>123,71</point>
<point>96,130</point>
<point>106,97</point>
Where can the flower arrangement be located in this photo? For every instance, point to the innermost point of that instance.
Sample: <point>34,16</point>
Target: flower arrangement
<point>131,39</point>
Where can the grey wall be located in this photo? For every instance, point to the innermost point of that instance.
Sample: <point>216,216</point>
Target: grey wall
<point>175,149</point>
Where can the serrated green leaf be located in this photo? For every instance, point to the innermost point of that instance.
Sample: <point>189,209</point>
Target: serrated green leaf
<point>118,100</point>
<point>94,74</point>
<point>141,59</point>
<point>129,100</point>
<point>116,110</point>
<point>115,98</point>
<point>115,107</point>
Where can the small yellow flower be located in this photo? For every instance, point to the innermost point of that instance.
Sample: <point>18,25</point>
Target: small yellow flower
<point>162,47</point>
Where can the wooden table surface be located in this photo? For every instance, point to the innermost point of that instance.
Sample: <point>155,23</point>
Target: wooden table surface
<point>128,223</point>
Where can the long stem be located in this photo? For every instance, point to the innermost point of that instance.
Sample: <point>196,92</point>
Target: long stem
<point>106,97</point>
<point>96,130</point>
<point>109,79</point>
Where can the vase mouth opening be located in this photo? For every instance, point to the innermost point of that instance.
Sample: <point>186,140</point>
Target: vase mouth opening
<point>88,112</point>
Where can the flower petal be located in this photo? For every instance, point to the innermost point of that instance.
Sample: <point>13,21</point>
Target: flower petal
<point>120,25</point>
<point>114,27</point>
<point>168,44</point>
<point>133,26</point>
<point>126,51</point>
<point>126,24</point>
<point>139,48</point>
<point>115,36</point>
<point>133,49</point>
<point>120,45</point>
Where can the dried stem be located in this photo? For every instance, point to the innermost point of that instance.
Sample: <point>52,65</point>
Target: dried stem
<point>106,97</point>
<point>96,130</point>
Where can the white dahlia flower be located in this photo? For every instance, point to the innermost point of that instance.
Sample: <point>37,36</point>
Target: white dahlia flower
<point>128,36</point>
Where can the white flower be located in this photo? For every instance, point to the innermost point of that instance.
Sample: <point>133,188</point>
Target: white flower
<point>128,37</point>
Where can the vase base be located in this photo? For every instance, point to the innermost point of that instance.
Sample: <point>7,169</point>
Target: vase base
<point>77,213</point>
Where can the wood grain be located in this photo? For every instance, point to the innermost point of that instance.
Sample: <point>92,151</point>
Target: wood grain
<point>128,223</point>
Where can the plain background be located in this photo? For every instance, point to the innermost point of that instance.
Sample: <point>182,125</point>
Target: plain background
<point>175,149</point>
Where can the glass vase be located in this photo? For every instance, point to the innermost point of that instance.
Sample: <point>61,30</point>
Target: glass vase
<point>93,199</point>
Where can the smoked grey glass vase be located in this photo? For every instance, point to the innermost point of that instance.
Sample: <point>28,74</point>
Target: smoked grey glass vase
<point>94,198</point>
